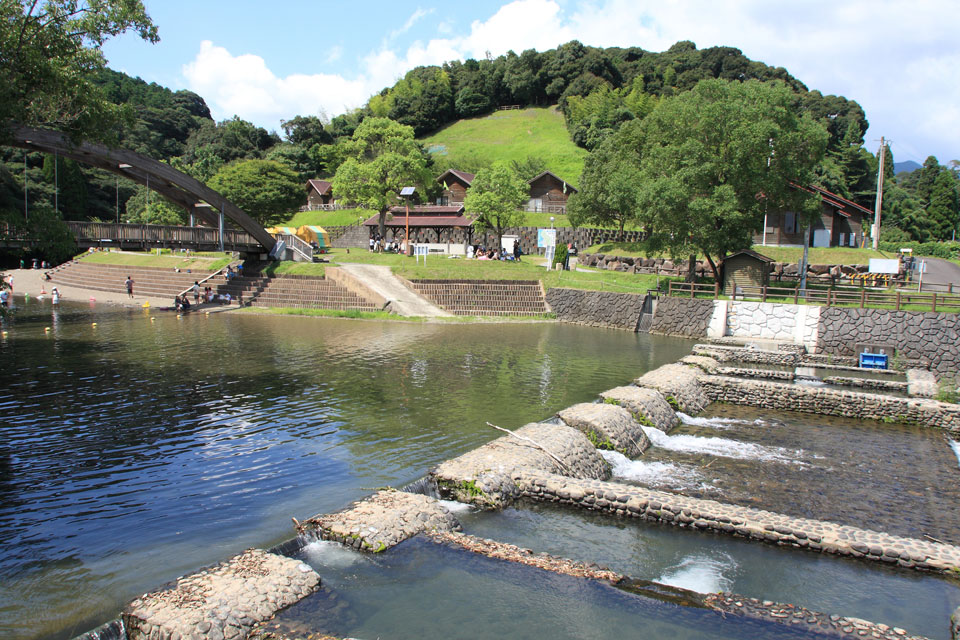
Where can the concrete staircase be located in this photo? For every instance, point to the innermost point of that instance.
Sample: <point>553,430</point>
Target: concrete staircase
<point>258,290</point>
<point>485,297</point>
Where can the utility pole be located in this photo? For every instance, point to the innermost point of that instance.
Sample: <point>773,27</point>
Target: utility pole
<point>876,214</point>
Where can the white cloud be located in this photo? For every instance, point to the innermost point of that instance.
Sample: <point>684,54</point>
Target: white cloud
<point>334,54</point>
<point>243,85</point>
<point>897,58</point>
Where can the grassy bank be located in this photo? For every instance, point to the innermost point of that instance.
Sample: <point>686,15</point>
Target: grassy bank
<point>339,218</point>
<point>168,261</point>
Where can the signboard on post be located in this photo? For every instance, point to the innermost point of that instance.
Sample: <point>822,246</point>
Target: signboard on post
<point>879,265</point>
<point>549,255</point>
<point>421,250</point>
<point>546,238</point>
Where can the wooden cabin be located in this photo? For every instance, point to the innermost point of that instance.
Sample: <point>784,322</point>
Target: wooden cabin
<point>745,269</point>
<point>840,224</point>
<point>319,192</point>
<point>549,193</point>
<point>455,184</point>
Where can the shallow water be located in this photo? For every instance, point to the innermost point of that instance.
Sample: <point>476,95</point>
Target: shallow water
<point>137,451</point>
<point>887,477</point>
<point>420,590</point>
<point>706,562</point>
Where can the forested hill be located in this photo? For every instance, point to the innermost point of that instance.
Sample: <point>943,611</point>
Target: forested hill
<point>599,89</point>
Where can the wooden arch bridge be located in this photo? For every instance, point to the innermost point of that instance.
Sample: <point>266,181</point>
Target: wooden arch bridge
<point>197,198</point>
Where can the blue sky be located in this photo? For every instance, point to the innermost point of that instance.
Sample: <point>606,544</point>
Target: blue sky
<point>899,59</point>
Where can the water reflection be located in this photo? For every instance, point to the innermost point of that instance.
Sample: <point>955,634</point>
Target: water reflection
<point>135,451</point>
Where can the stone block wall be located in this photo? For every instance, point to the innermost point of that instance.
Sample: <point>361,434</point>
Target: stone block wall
<point>769,321</point>
<point>596,308</point>
<point>688,317</point>
<point>925,336</point>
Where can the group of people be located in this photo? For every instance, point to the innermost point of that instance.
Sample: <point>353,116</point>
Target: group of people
<point>232,273</point>
<point>480,252</point>
<point>379,244</point>
<point>181,303</point>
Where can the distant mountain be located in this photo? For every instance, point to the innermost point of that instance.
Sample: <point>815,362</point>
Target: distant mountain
<point>905,167</point>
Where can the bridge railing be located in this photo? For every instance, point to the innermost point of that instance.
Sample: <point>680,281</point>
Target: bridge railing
<point>158,234</point>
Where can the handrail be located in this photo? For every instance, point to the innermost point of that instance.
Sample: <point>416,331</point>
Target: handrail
<point>861,297</point>
<point>296,244</point>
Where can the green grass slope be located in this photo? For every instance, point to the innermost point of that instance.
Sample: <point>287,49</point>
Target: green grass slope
<point>508,135</point>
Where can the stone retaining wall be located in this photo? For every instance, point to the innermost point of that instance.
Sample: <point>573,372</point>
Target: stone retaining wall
<point>831,402</point>
<point>596,308</point>
<point>764,320</point>
<point>639,502</point>
<point>923,336</point>
<point>867,383</point>
<point>687,317</point>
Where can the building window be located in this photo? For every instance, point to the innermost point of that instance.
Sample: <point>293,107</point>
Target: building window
<point>789,222</point>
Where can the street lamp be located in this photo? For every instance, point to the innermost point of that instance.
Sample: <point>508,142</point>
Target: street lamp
<point>406,193</point>
<point>551,222</point>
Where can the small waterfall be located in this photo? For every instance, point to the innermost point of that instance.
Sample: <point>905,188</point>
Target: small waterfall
<point>806,375</point>
<point>332,555</point>
<point>655,474</point>
<point>955,445</point>
<point>293,546</point>
<point>715,423</point>
<point>700,574</point>
<point>112,630</point>
<point>724,447</point>
<point>425,486</point>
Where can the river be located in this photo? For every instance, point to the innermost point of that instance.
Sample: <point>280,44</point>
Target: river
<point>145,446</point>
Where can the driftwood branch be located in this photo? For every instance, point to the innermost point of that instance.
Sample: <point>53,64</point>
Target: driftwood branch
<point>533,442</point>
<point>933,539</point>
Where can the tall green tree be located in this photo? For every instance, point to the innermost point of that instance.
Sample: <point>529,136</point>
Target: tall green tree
<point>943,210</point>
<point>69,184</point>
<point>713,159</point>
<point>495,197</point>
<point>382,157</point>
<point>266,190</point>
<point>609,183</point>
<point>48,53</point>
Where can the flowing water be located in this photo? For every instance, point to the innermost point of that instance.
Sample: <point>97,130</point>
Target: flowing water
<point>138,450</point>
<point>705,562</point>
<point>423,591</point>
<point>888,477</point>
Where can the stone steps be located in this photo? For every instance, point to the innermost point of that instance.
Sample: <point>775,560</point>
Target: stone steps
<point>485,297</point>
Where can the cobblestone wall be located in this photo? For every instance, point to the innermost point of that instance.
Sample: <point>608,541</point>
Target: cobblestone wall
<point>831,402</point>
<point>596,308</point>
<point>928,337</point>
<point>682,317</point>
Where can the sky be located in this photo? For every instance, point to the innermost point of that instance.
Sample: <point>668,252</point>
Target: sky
<point>900,59</point>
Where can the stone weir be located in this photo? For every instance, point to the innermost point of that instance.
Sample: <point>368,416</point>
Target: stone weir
<point>832,402</point>
<point>381,521</point>
<point>221,602</point>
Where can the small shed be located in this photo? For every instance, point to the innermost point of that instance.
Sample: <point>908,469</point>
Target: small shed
<point>744,269</point>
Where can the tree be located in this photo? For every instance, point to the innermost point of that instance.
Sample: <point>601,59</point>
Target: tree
<point>382,157</point>
<point>48,52</point>
<point>266,190</point>
<point>943,208</point>
<point>608,184</point>
<point>305,131</point>
<point>495,197</point>
<point>159,211</point>
<point>713,159</point>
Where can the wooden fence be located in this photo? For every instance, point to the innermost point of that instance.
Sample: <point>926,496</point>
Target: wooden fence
<point>845,296</point>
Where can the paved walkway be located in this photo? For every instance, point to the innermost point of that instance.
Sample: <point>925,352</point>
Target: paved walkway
<point>939,274</point>
<point>401,300</point>
<point>30,281</point>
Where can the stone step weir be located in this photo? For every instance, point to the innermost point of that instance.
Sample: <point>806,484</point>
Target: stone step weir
<point>221,602</point>
<point>381,521</point>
